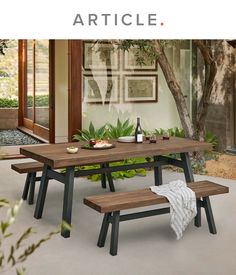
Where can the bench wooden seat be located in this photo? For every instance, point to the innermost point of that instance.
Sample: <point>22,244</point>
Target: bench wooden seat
<point>112,204</point>
<point>27,167</point>
<point>31,168</point>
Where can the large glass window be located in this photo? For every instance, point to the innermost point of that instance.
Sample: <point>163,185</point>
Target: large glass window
<point>42,82</point>
<point>9,73</point>
<point>37,92</point>
<point>115,85</point>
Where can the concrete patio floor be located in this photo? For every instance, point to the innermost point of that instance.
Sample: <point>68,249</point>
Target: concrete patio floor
<point>146,246</point>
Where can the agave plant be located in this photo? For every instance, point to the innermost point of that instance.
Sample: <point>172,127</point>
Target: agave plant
<point>121,129</point>
<point>86,135</point>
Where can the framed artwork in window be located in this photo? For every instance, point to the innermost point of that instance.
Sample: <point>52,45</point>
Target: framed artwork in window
<point>101,56</point>
<point>132,58</point>
<point>140,88</point>
<point>101,89</point>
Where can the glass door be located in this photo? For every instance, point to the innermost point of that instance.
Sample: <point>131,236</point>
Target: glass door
<point>38,88</point>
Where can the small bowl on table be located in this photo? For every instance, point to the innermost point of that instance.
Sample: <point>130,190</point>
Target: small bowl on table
<point>72,150</point>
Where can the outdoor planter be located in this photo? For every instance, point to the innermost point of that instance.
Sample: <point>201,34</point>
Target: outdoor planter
<point>8,118</point>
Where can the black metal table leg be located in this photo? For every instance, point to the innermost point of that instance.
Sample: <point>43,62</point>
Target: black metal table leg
<point>26,187</point>
<point>103,178</point>
<point>157,173</point>
<point>32,188</point>
<point>198,219</point>
<point>110,179</point>
<point>209,215</point>
<point>115,233</point>
<point>188,173</point>
<point>67,201</point>
<point>42,193</point>
<point>104,229</point>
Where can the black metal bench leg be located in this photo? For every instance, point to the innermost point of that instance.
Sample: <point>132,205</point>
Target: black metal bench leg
<point>26,187</point>
<point>115,233</point>
<point>104,229</point>
<point>157,173</point>
<point>188,173</point>
<point>32,188</point>
<point>42,193</point>
<point>68,199</point>
<point>103,178</point>
<point>209,215</point>
<point>197,220</point>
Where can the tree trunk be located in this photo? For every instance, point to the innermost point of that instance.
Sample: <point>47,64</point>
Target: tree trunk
<point>175,90</point>
<point>210,73</point>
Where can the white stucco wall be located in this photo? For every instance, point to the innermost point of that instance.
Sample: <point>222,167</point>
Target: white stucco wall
<point>61,90</point>
<point>161,114</point>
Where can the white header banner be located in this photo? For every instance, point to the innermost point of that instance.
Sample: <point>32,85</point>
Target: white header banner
<point>103,19</point>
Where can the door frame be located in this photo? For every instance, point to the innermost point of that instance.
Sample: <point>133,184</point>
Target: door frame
<point>74,87</point>
<point>26,124</point>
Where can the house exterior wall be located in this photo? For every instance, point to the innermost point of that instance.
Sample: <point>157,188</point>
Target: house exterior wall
<point>61,91</point>
<point>154,115</point>
<point>161,114</point>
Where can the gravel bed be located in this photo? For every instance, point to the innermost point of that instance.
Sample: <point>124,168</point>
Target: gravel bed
<point>16,137</point>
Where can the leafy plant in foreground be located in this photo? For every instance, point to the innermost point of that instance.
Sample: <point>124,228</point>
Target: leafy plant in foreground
<point>18,252</point>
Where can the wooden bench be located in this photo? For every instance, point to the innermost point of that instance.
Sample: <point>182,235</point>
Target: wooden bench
<point>112,204</point>
<point>31,168</point>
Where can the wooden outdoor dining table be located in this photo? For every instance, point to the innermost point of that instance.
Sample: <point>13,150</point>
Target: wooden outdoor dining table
<point>55,156</point>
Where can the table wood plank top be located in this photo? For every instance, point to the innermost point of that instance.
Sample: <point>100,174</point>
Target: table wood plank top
<point>56,156</point>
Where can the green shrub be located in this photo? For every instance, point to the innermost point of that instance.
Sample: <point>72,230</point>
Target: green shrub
<point>119,174</point>
<point>8,103</point>
<point>40,101</point>
<point>211,138</point>
<point>174,132</point>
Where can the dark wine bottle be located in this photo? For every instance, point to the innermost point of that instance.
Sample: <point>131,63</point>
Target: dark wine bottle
<point>138,132</point>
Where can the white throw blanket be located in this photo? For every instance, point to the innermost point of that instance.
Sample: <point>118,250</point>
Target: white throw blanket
<point>182,204</point>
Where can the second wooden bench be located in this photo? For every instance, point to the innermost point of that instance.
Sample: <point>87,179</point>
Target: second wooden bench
<point>31,169</point>
<point>112,204</point>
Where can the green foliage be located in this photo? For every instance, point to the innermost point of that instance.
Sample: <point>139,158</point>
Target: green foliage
<point>120,129</point>
<point>40,101</point>
<point>9,69</point>
<point>86,135</point>
<point>3,46</point>
<point>174,132</point>
<point>211,138</point>
<point>8,103</point>
<point>107,131</point>
<point>119,174</point>
<point>145,50</point>
<point>18,252</point>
